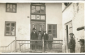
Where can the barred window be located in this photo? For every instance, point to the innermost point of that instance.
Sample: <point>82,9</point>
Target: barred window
<point>10,28</point>
<point>11,7</point>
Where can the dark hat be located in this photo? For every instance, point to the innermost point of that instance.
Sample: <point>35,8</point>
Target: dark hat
<point>81,40</point>
<point>71,34</point>
<point>34,29</point>
<point>49,31</point>
<point>39,31</point>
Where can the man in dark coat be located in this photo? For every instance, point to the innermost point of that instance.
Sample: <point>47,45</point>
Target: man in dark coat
<point>45,36</point>
<point>40,42</point>
<point>50,38</point>
<point>72,43</point>
<point>34,36</point>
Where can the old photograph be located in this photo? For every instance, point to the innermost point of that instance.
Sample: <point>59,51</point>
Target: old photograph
<point>42,27</point>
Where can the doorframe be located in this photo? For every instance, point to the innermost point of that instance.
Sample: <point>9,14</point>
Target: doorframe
<point>67,49</point>
<point>41,20</point>
<point>67,34</point>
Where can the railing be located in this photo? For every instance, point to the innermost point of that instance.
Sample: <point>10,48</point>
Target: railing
<point>9,48</point>
<point>25,46</point>
<point>56,46</point>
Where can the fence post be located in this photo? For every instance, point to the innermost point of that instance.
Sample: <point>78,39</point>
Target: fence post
<point>15,45</point>
<point>43,46</point>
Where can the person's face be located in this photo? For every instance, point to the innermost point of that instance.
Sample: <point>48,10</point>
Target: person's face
<point>71,36</point>
<point>39,32</point>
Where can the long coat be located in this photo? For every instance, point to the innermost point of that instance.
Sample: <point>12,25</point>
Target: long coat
<point>34,36</point>
<point>40,38</point>
<point>45,36</point>
<point>50,37</point>
<point>72,45</point>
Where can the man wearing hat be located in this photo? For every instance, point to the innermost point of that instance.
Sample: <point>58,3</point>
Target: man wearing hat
<point>34,36</point>
<point>39,38</point>
<point>82,49</point>
<point>72,43</point>
<point>50,38</point>
<point>45,37</point>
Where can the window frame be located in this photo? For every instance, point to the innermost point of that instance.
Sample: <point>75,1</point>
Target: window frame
<point>39,9</point>
<point>40,14</point>
<point>10,28</point>
<point>53,29</point>
<point>12,7</point>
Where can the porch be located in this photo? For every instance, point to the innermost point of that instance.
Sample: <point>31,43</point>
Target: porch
<point>23,46</point>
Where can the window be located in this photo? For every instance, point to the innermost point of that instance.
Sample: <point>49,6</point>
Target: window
<point>53,29</point>
<point>38,11</point>
<point>42,17</point>
<point>11,7</point>
<point>10,28</point>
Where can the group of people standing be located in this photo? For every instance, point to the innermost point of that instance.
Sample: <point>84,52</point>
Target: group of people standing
<point>48,39</point>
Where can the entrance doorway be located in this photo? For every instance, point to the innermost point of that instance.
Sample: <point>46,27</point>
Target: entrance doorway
<point>69,29</point>
<point>38,17</point>
<point>39,26</point>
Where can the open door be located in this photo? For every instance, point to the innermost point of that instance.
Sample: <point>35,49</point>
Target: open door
<point>69,30</point>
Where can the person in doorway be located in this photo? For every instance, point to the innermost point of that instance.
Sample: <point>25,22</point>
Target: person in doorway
<point>50,40</point>
<point>45,37</point>
<point>72,43</point>
<point>40,42</point>
<point>34,36</point>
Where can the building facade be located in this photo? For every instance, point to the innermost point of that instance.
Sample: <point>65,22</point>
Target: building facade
<point>18,19</point>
